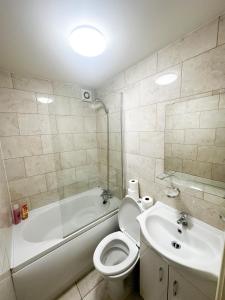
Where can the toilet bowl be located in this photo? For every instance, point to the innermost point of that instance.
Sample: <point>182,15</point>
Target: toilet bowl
<point>118,253</point>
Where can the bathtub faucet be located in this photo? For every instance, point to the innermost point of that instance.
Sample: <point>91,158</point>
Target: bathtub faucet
<point>106,195</point>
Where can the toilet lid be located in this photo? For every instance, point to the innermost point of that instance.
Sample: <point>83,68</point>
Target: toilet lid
<point>128,212</point>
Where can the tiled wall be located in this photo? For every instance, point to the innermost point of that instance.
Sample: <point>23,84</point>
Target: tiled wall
<point>49,150</point>
<point>195,137</point>
<point>199,61</point>
<point>6,288</point>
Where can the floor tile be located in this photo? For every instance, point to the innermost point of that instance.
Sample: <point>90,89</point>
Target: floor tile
<point>71,294</point>
<point>86,284</point>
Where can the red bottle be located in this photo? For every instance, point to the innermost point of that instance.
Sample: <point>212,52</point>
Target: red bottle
<point>16,214</point>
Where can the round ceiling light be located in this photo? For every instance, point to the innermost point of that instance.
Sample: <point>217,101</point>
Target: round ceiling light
<point>87,41</point>
<point>166,79</point>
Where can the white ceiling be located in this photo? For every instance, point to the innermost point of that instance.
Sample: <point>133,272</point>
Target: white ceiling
<point>33,33</point>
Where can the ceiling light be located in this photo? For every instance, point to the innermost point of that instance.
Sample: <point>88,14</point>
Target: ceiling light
<point>166,79</point>
<point>45,100</point>
<point>87,41</point>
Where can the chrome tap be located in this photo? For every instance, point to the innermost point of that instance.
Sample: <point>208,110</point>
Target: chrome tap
<point>106,195</point>
<point>183,220</point>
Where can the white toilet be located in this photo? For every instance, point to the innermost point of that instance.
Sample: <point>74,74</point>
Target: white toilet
<point>117,254</point>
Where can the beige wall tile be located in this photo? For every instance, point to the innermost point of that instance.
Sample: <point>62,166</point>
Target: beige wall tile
<point>27,187</point>
<point>201,169</point>
<point>86,172</point>
<point>5,79</point>
<point>57,143</point>
<point>200,136</point>
<point>211,154</point>
<point>220,137</point>
<point>204,73</point>
<point>84,141</point>
<point>218,172</point>
<point>67,124</point>
<point>33,124</point>
<point>115,141</point>
<point>184,151</point>
<point>140,166</point>
<point>176,108</point>
<point>78,108</point>
<point>66,89</point>
<point>73,158</point>
<point>222,101</point>
<point>131,120</point>
<point>201,104</point>
<point>152,144</point>
<point>32,84</point>
<point>101,140</point>
<point>15,168</point>
<point>131,142</point>
<point>17,101</point>
<point>36,165</point>
<point>147,118</point>
<point>90,124</point>
<point>174,136</point>
<point>174,164</point>
<point>60,106</point>
<point>92,156</point>
<point>153,93</point>
<point>20,146</point>
<point>114,122</point>
<point>60,178</point>
<point>184,121</point>
<point>142,69</point>
<point>131,97</point>
<point>221,34</point>
<point>212,119</point>
<point>45,198</point>
<point>8,124</point>
<point>191,45</point>
<point>168,150</point>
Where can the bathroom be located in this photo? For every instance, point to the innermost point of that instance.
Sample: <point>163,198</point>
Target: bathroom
<point>112,145</point>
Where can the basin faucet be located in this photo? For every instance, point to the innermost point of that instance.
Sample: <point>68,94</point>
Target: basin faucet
<point>106,195</point>
<point>183,219</point>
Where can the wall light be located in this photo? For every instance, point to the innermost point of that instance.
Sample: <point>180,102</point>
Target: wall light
<point>45,100</point>
<point>166,79</point>
<point>87,41</point>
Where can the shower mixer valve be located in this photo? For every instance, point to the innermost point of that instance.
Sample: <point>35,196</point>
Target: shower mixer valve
<point>106,195</point>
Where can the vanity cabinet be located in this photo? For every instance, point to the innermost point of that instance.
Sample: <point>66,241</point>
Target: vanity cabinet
<point>161,281</point>
<point>153,276</point>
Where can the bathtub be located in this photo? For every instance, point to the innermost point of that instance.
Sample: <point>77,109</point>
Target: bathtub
<point>54,246</point>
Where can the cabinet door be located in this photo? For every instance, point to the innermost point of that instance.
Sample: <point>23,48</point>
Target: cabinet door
<point>181,289</point>
<point>153,276</point>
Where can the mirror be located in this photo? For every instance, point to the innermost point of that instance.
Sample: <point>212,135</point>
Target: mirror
<point>195,139</point>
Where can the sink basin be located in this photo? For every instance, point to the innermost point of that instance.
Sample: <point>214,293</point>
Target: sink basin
<point>198,247</point>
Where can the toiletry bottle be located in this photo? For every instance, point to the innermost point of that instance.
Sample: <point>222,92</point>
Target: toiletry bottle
<point>24,211</point>
<point>16,214</point>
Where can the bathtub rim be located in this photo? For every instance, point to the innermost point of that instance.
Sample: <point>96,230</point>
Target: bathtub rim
<point>64,240</point>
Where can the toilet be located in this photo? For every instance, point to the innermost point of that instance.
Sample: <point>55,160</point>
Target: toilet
<point>118,253</point>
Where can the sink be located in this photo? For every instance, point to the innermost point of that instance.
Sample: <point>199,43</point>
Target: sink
<point>198,247</point>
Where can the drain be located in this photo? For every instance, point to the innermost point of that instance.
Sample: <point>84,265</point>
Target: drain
<point>175,245</point>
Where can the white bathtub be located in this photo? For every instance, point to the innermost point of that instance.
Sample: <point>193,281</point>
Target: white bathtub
<point>54,246</point>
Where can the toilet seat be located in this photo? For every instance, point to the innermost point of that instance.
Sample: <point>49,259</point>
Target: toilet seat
<point>113,242</point>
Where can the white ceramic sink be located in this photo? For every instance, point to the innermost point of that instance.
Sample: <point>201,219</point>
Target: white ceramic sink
<point>201,245</point>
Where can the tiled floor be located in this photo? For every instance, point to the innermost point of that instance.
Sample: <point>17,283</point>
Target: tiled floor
<point>91,287</point>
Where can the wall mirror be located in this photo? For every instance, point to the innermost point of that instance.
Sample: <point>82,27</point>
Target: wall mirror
<point>195,142</point>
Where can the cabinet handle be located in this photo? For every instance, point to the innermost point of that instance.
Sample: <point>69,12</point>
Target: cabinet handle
<point>160,274</point>
<point>175,288</point>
